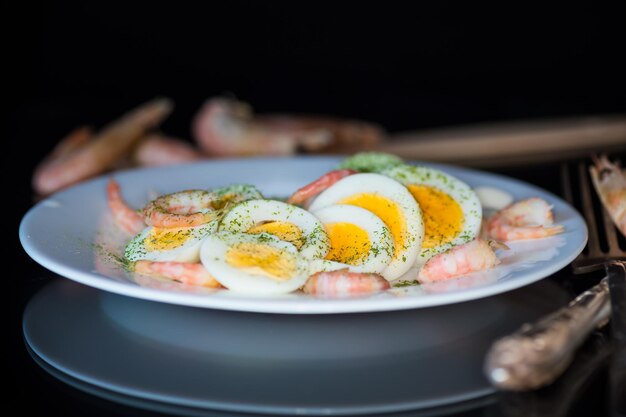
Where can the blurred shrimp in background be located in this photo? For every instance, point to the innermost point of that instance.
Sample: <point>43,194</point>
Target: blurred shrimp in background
<point>227,127</point>
<point>222,127</point>
<point>81,155</point>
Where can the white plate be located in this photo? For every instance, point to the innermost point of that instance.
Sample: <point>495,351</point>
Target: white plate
<point>67,232</point>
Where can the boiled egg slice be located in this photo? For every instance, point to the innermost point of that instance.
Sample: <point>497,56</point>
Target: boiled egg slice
<point>451,210</point>
<point>285,221</point>
<point>392,203</point>
<point>359,240</point>
<point>370,162</point>
<point>180,244</point>
<point>260,264</point>
<point>233,194</point>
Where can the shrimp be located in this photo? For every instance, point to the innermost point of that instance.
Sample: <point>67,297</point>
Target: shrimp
<point>610,184</point>
<point>156,149</point>
<point>195,207</point>
<point>70,143</point>
<point>183,272</point>
<point>226,127</point>
<point>346,135</point>
<point>313,189</point>
<point>125,217</point>
<point>476,255</point>
<point>342,283</point>
<point>531,218</point>
<point>181,209</point>
<point>74,140</point>
<point>88,157</point>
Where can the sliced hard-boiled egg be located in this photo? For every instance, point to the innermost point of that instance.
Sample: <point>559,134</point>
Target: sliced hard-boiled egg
<point>180,244</point>
<point>392,203</point>
<point>370,161</point>
<point>359,240</point>
<point>254,263</point>
<point>285,221</point>
<point>450,208</point>
<point>234,194</point>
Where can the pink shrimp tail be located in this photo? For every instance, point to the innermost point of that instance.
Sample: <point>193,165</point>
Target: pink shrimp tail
<point>473,256</point>
<point>125,217</point>
<point>342,283</point>
<point>316,187</point>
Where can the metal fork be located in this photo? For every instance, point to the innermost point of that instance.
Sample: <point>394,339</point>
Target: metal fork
<point>538,353</point>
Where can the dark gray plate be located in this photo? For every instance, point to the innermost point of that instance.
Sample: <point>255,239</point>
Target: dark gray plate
<point>274,363</point>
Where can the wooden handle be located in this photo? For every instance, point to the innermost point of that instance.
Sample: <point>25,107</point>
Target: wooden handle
<point>512,142</point>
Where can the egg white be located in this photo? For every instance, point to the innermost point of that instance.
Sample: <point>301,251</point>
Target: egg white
<point>408,243</point>
<point>371,161</point>
<point>187,249</point>
<point>243,216</point>
<point>214,257</point>
<point>459,191</point>
<point>233,194</point>
<point>379,236</point>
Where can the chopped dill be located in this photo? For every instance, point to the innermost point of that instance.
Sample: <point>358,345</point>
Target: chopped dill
<point>406,283</point>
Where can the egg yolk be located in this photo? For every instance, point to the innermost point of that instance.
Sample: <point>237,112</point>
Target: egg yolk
<point>282,230</point>
<point>161,239</point>
<point>260,259</point>
<point>349,244</point>
<point>387,210</point>
<point>443,217</point>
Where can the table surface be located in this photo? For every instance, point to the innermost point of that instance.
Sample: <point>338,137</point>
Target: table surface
<point>37,392</point>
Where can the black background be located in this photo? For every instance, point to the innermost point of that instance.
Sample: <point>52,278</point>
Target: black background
<point>404,66</point>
